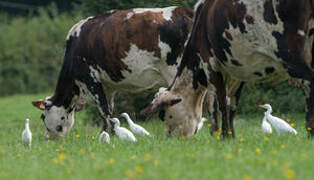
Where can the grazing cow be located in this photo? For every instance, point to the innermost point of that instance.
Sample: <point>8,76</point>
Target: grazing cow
<point>234,41</point>
<point>132,50</point>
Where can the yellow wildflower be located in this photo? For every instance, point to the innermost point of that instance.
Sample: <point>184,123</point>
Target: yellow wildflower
<point>138,169</point>
<point>62,156</point>
<point>241,139</point>
<point>289,174</point>
<point>77,136</point>
<point>209,125</point>
<point>288,120</point>
<point>266,139</point>
<point>228,156</point>
<point>309,128</point>
<point>93,138</point>
<point>292,124</point>
<point>258,150</point>
<point>111,162</point>
<point>229,132</point>
<point>246,177</point>
<point>282,146</point>
<point>218,137</point>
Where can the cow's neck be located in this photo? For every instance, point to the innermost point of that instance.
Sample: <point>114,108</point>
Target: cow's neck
<point>65,89</point>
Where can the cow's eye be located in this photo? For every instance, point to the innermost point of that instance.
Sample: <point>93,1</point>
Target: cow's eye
<point>59,128</point>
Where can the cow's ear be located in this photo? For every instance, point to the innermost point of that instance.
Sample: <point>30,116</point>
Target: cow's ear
<point>39,104</point>
<point>158,105</point>
<point>79,107</point>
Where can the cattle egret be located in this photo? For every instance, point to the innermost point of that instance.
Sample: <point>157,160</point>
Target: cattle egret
<point>200,125</point>
<point>135,128</point>
<point>122,132</point>
<point>266,127</point>
<point>27,134</point>
<point>104,137</point>
<point>280,125</point>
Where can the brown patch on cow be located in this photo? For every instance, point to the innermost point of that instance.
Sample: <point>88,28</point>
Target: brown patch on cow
<point>109,37</point>
<point>249,19</point>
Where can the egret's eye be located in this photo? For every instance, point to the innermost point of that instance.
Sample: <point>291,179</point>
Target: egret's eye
<point>59,128</point>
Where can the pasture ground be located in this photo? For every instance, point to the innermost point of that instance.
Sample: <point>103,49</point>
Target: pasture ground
<point>252,155</point>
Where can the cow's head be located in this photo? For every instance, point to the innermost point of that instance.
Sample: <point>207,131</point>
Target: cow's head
<point>57,119</point>
<point>181,113</point>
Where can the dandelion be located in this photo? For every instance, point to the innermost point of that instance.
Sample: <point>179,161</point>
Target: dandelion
<point>246,177</point>
<point>111,162</point>
<point>139,169</point>
<point>62,156</point>
<point>266,139</point>
<point>258,150</point>
<point>241,139</point>
<point>289,174</point>
<point>282,146</point>
<point>218,138</point>
<point>77,136</point>
<point>229,132</point>
<point>228,156</point>
<point>93,138</point>
<point>309,128</point>
<point>292,124</point>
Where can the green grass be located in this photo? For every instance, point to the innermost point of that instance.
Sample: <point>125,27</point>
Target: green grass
<point>202,157</point>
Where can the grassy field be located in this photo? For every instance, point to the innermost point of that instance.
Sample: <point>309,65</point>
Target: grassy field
<point>252,155</point>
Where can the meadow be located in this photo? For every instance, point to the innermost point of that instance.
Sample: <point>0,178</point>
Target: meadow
<point>251,155</point>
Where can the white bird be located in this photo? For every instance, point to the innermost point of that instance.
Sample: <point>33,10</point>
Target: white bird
<point>27,134</point>
<point>135,128</point>
<point>266,127</point>
<point>122,132</point>
<point>104,137</point>
<point>200,124</point>
<point>280,125</point>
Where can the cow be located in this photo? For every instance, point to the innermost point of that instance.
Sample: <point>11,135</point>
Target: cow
<point>233,42</point>
<point>132,50</point>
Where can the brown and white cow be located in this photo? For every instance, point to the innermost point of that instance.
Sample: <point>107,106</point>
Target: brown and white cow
<point>131,50</point>
<point>234,41</point>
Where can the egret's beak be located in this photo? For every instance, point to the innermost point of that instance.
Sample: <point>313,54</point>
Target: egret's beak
<point>110,119</point>
<point>261,106</point>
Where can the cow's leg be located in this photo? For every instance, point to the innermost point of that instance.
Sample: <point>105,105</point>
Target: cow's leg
<point>309,93</point>
<point>219,84</point>
<point>97,93</point>
<point>234,103</point>
<point>212,110</point>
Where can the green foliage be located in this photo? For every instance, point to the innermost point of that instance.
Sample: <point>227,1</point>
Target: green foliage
<point>32,51</point>
<point>282,97</point>
<point>251,155</point>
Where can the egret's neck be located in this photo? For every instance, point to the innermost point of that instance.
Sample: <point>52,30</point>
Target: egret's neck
<point>268,112</point>
<point>27,126</point>
<point>129,120</point>
<point>116,125</point>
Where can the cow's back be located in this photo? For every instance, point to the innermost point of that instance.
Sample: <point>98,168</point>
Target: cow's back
<point>137,47</point>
